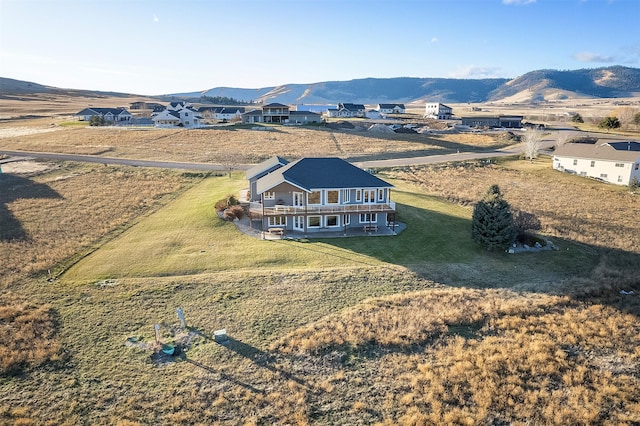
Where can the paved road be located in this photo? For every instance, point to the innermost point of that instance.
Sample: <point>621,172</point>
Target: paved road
<point>119,161</point>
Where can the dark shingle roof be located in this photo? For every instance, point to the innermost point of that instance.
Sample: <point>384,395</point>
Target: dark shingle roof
<point>102,111</point>
<point>321,173</point>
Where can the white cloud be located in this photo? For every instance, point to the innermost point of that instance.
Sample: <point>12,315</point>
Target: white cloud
<point>592,57</point>
<point>155,18</point>
<point>517,2</point>
<point>472,71</point>
<point>434,40</point>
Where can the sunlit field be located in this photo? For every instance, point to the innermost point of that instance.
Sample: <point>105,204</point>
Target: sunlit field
<point>420,328</point>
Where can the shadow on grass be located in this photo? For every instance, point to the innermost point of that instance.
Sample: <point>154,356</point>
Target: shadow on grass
<point>16,188</point>
<point>257,356</point>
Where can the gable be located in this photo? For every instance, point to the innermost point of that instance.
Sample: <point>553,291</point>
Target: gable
<point>265,167</point>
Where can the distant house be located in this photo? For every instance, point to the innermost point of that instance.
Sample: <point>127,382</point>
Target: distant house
<point>146,105</point>
<point>315,196</point>
<point>613,162</point>
<point>391,108</point>
<point>282,114</point>
<point>373,114</point>
<point>347,110</point>
<point>109,114</point>
<point>221,113</point>
<point>507,121</point>
<point>438,111</point>
<point>177,114</point>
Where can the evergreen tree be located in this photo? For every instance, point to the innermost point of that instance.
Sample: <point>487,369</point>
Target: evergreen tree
<point>492,224</point>
<point>609,123</point>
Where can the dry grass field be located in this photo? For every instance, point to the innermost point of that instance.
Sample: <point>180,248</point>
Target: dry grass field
<point>364,337</point>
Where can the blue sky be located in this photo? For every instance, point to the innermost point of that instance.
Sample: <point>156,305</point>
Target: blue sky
<point>157,47</point>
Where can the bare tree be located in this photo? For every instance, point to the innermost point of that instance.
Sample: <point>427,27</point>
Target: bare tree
<point>230,161</point>
<point>532,142</point>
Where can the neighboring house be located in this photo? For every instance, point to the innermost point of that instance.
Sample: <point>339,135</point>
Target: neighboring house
<point>508,121</point>
<point>146,105</point>
<point>109,114</point>
<point>438,111</point>
<point>177,114</point>
<point>391,108</point>
<point>304,117</point>
<point>373,114</point>
<point>279,113</point>
<point>613,162</point>
<point>221,113</point>
<point>347,110</point>
<point>312,196</point>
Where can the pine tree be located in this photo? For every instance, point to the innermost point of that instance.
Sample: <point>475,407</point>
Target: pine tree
<point>492,224</point>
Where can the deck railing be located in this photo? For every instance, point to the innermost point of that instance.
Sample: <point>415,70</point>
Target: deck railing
<point>281,210</point>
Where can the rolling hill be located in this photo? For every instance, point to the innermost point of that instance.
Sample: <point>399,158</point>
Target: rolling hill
<point>534,86</point>
<point>610,82</point>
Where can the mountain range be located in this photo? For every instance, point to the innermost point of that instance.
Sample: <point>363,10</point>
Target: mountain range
<point>535,86</point>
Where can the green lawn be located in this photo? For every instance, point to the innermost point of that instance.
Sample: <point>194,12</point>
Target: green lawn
<point>187,237</point>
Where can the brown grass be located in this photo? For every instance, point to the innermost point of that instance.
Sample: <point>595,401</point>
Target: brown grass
<point>568,207</point>
<point>481,356</point>
<point>71,207</point>
<point>250,146</point>
<point>28,335</point>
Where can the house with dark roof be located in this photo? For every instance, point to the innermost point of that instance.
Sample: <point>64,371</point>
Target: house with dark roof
<point>281,114</point>
<point>319,196</point>
<point>109,114</point>
<point>507,121</point>
<point>613,162</point>
<point>391,108</point>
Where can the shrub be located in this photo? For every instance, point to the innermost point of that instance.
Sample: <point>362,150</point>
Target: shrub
<point>233,212</point>
<point>229,200</point>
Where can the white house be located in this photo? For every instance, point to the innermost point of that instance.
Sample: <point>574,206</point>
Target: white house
<point>438,111</point>
<point>177,114</point>
<point>613,162</point>
<point>391,108</point>
<point>109,114</point>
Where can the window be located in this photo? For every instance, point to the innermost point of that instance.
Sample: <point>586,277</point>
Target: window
<point>313,221</point>
<point>575,162</point>
<point>298,222</point>
<point>619,164</point>
<point>369,195</point>
<point>333,197</point>
<point>368,217</point>
<point>380,194</point>
<point>603,175</point>
<point>331,221</point>
<point>346,219</point>
<point>593,163</point>
<point>346,195</point>
<point>314,197</point>
<point>619,178</point>
<point>277,221</point>
<point>269,195</point>
<point>359,194</point>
